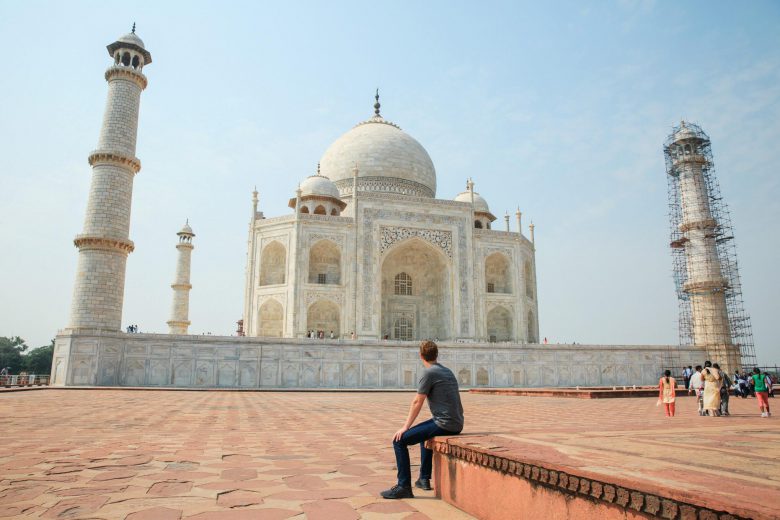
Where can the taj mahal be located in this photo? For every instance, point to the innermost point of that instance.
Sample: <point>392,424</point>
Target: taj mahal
<point>368,259</point>
<point>370,252</point>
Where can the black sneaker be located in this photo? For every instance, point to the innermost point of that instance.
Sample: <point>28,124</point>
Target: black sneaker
<point>397,492</point>
<point>423,483</point>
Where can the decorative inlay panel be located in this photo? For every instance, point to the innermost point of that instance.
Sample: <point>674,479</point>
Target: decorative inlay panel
<point>390,235</point>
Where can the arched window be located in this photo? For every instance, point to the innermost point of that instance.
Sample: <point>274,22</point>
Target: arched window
<point>403,330</point>
<point>403,284</point>
<point>136,62</point>
<point>334,212</point>
<point>478,224</point>
<point>304,209</point>
<point>320,210</point>
<point>488,225</point>
<point>126,59</point>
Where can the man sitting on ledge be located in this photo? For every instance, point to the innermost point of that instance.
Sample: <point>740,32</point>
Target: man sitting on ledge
<point>440,386</point>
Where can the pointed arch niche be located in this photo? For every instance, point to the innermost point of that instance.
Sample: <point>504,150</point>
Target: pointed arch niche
<point>497,274</point>
<point>273,264</point>
<point>324,315</point>
<point>416,293</point>
<point>532,334</point>
<point>325,263</point>
<point>270,319</point>
<point>499,324</point>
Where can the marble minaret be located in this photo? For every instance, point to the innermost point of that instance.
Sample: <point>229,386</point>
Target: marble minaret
<point>104,242</point>
<point>180,309</point>
<point>705,283</point>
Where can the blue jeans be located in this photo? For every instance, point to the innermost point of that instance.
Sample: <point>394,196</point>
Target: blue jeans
<point>417,434</point>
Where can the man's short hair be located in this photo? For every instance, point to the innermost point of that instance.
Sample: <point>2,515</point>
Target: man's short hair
<point>429,351</point>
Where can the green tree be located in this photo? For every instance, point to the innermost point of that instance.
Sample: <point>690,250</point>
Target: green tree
<point>38,360</point>
<point>11,353</point>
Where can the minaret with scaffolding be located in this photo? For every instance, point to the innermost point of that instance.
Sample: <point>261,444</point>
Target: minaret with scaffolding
<point>712,314</point>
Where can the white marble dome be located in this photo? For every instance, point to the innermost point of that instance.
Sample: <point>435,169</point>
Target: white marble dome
<point>388,160</point>
<point>133,39</point>
<point>319,185</point>
<point>480,204</point>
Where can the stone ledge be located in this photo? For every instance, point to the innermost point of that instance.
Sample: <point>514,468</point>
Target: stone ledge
<point>491,453</point>
<point>575,393</point>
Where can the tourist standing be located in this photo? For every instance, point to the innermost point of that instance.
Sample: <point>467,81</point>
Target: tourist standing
<point>687,373</point>
<point>711,397</point>
<point>760,386</point>
<point>666,392</point>
<point>697,386</point>
<point>725,386</point>
<point>440,387</point>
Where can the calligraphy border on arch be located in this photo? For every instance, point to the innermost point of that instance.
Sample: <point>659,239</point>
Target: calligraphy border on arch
<point>389,235</point>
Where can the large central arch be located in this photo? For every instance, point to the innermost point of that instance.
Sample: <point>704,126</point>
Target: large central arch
<point>416,292</point>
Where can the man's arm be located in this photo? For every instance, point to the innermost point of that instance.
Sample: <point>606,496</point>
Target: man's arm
<point>414,410</point>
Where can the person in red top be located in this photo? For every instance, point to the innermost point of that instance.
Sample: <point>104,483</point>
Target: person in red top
<point>666,392</point>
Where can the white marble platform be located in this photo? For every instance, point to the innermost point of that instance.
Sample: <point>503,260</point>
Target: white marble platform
<point>162,360</point>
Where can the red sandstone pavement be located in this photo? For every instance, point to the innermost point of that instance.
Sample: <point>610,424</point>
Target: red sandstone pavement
<point>242,455</point>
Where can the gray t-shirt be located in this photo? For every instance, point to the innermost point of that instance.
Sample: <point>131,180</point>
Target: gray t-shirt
<point>441,387</point>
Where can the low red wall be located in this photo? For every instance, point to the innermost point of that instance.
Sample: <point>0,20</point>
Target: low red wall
<point>492,479</point>
<point>491,495</point>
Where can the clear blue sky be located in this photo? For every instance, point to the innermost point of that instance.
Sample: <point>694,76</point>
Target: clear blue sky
<point>558,107</point>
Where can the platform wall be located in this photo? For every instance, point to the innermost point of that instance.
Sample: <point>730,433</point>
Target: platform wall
<point>161,360</point>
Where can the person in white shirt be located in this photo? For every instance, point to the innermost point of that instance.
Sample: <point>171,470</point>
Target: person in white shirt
<point>697,385</point>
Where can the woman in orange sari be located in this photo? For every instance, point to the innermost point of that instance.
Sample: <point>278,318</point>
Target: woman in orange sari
<point>666,392</point>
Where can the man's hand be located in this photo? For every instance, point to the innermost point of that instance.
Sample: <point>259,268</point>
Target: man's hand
<point>397,435</point>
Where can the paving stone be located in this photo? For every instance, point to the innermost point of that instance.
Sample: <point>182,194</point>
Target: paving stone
<point>239,498</point>
<point>170,488</point>
<point>328,510</point>
<point>155,513</point>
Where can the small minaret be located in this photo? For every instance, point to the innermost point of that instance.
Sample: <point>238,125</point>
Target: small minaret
<point>519,217</point>
<point>181,286</point>
<point>531,230</point>
<point>104,243</point>
<point>506,221</point>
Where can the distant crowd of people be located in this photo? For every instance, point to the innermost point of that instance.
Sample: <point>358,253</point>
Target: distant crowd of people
<point>713,387</point>
<point>132,329</point>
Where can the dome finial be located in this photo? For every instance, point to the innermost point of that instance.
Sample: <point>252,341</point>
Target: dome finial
<point>318,169</point>
<point>377,105</point>
<point>133,29</point>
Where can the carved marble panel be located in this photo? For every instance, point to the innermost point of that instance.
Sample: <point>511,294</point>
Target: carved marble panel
<point>226,373</point>
<point>158,372</point>
<point>183,371</point>
<point>108,370</point>
<point>136,350</point>
<point>331,375</point>
<point>135,372</point>
<point>161,351</point>
<point>290,375</point>
<point>248,374</point>
<point>204,373</point>
<point>389,375</point>
<point>310,374</point>
<point>269,373</point>
<point>351,375</point>
<point>370,375</point>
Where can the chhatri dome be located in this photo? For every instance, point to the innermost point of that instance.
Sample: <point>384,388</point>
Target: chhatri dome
<point>480,204</point>
<point>388,160</point>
